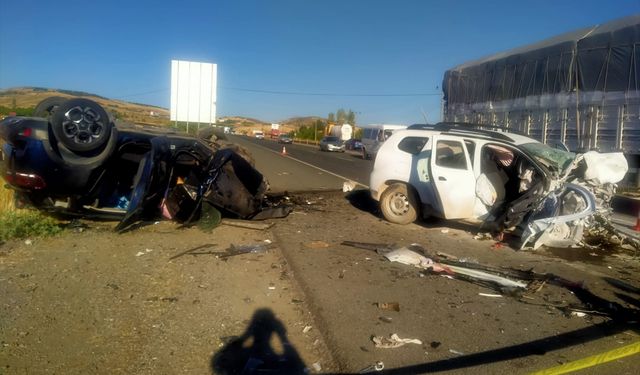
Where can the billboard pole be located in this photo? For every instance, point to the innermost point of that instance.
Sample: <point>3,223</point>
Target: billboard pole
<point>199,93</point>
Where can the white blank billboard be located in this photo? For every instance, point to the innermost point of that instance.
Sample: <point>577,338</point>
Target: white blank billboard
<point>193,91</point>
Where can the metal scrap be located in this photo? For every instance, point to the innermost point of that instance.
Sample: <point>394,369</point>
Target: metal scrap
<point>394,341</point>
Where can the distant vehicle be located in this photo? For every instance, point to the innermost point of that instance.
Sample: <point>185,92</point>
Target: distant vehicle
<point>331,143</point>
<point>343,131</point>
<point>283,138</point>
<point>374,135</point>
<point>274,132</point>
<point>258,134</point>
<point>353,144</point>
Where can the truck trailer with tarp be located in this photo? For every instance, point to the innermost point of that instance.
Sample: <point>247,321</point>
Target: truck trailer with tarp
<point>580,89</point>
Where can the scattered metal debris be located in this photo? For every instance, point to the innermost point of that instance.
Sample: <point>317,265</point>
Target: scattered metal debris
<point>394,341</point>
<point>378,366</point>
<point>194,251</point>
<point>247,224</point>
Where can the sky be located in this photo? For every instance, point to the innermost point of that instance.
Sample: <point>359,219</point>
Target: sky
<point>382,59</point>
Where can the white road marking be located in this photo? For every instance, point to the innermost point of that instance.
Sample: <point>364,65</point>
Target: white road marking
<point>313,166</point>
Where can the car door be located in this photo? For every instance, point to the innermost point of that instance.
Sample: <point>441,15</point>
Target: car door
<point>453,177</point>
<point>149,183</point>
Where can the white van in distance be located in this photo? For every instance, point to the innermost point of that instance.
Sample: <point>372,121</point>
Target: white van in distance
<point>374,135</point>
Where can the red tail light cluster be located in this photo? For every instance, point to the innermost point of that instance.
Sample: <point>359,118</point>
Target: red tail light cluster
<point>25,132</point>
<point>25,180</point>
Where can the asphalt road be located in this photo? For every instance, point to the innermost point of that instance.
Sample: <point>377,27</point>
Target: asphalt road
<point>305,167</point>
<point>460,329</point>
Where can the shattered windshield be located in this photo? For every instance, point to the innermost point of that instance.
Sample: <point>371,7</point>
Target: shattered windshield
<point>552,158</point>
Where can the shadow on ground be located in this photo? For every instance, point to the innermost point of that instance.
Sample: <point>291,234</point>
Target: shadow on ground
<point>361,199</point>
<point>263,349</point>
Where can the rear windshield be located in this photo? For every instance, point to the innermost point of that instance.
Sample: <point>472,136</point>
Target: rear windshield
<point>330,139</point>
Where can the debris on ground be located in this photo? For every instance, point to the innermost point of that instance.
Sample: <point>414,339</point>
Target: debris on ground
<point>195,251</point>
<point>316,366</point>
<point>394,341</point>
<point>317,245</point>
<point>411,258</point>
<point>380,248</point>
<point>378,366</point>
<point>141,253</point>
<point>506,281</point>
<point>490,295</point>
<point>348,186</point>
<point>234,250</point>
<point>483,236</point>
<point>395,306</point>
<point>247,224</point>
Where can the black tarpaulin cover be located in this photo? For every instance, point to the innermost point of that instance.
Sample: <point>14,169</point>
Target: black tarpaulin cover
<point>604,58</point>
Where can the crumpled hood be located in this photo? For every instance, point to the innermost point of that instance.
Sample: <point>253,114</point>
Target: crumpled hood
<point>585,188</point>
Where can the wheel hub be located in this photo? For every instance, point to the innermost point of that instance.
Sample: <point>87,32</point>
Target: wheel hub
<point>399,204</point>
<point>82,125</point>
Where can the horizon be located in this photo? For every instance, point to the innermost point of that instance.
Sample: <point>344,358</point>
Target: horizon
<point>281,59</point>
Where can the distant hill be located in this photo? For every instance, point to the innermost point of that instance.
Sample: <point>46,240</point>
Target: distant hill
<point>297,122</point>
<point>28,97</point>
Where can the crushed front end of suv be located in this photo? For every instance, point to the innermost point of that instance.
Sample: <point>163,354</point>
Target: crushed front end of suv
<point>71,159</point>
<point>505,181</point>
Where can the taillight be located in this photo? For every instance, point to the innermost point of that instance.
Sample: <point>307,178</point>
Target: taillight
<point>25,132</point>
<point>25,180</point>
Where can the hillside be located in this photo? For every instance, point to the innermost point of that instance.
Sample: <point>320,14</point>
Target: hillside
<point>29,97</point>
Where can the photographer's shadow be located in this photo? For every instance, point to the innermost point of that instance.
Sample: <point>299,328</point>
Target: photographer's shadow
<point>253,352</point>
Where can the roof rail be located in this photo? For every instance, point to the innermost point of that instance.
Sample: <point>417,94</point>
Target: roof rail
<point>465,127</point>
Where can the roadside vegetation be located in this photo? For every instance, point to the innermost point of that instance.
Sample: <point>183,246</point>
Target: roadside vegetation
<point>19,224</point>
<point>26,224</point>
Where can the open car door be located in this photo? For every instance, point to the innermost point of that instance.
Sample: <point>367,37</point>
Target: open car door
<point>453,177</point>
<point>148,184</point>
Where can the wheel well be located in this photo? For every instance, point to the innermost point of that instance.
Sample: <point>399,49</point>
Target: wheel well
<point>388,183</point>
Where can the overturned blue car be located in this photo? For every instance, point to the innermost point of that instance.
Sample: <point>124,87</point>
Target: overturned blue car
<point>71,159</point>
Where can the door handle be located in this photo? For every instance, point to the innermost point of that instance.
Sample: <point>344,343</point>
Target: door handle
<point>441,178</point>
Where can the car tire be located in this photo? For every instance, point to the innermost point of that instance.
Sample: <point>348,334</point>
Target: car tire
<point>81,125</point>
<point>399,204</point>
<point>48,106</point>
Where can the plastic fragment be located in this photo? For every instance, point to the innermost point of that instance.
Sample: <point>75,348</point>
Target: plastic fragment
<point>394,341</point>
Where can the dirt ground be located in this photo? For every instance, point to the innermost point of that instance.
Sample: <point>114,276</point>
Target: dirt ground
<point>93,301</point>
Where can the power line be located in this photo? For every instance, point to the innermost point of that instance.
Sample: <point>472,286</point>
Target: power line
<point>143,93</point>
<point>322,94</point>
<point>293,93</point>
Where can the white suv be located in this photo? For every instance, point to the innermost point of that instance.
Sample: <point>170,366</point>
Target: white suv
<point>456,171</point>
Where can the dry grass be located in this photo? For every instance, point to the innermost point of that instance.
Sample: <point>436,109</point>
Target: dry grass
<point>6,199</point>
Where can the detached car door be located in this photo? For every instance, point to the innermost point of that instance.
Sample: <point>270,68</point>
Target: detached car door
<point>453,177</point>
